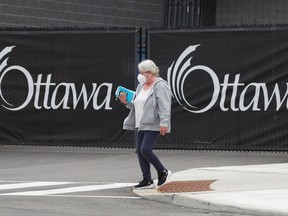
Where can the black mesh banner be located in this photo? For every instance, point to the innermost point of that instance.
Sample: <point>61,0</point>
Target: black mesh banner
<point>58,87</point>
<point>229,86</point>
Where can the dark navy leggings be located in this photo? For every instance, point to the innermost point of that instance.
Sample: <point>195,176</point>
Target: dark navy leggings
<point>145,143</point>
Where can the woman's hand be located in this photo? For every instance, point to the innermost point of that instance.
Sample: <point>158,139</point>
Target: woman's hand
<point>122,98</point>
<point>163,130</point>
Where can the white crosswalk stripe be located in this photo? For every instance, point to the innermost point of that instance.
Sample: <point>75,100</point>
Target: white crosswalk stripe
<point>70,189</point>
<point>29,188</point>
<point>30,184</point>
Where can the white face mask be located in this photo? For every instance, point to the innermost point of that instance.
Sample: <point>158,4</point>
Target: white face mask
<point>141,78</point>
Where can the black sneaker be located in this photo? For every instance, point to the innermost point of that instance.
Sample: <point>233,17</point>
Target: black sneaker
<point>144,184</point>
<point>163,177</point>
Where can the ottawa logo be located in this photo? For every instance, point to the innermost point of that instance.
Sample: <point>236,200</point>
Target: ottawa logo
<point>177,74</point>
<point>46,94</point>
<point>242,97</point>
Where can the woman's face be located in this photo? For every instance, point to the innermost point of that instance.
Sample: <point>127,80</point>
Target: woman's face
<point>147,74</point>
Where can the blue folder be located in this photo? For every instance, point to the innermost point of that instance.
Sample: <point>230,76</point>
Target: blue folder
<point>129,93</point>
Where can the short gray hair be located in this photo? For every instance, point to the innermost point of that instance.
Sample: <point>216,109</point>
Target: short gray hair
<point>148,65</point>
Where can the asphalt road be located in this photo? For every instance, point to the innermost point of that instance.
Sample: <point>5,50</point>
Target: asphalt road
<point>85,181</point>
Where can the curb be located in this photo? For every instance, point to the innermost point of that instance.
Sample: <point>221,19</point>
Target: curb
<point>198,203</point>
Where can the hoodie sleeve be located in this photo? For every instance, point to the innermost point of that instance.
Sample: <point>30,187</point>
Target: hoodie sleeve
<point>163,97</point>
<point>129,105</point>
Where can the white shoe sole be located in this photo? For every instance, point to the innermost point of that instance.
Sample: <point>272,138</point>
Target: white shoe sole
<point>146,187</point>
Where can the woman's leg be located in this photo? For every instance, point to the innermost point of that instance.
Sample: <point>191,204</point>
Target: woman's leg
<point>149,139</point>
<point>144,164</point>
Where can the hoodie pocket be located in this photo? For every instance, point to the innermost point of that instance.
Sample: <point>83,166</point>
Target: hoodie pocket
<point>148,117</point>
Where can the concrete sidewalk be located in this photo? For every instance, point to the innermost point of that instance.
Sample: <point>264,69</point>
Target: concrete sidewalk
<point>252,189</point>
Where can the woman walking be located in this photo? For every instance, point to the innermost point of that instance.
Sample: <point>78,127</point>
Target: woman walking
<point>150,115</point>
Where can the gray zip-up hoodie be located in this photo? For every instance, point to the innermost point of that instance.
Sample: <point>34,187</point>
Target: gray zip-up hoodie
<point>156,110</point>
